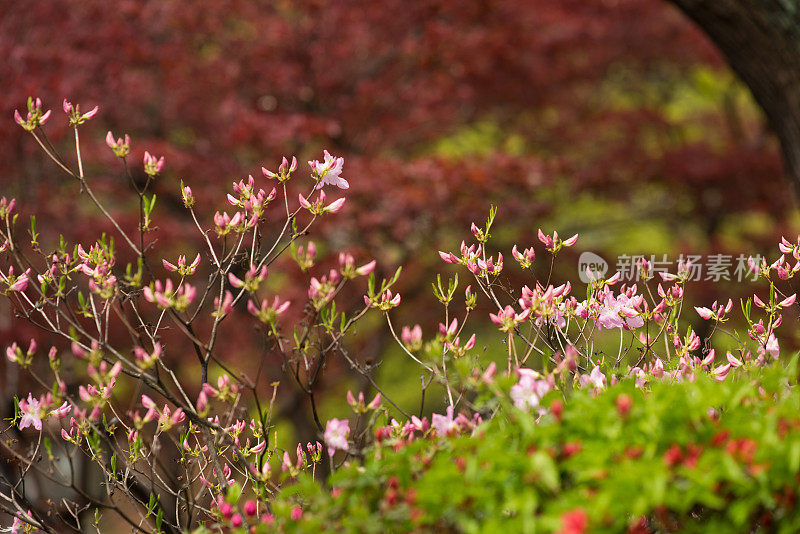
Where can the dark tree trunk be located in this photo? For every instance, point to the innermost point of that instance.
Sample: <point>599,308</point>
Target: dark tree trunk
<point>761,41</point>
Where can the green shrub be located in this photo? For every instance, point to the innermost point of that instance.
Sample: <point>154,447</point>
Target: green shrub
<point>698,456</point>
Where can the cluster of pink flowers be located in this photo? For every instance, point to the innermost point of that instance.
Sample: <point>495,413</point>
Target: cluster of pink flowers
<point>268,312</point>
<point>359,406</point>
<point>412,337</point>
<point>253,203</point>
<point>15,282</point>
<point>547,305</point>
<point>473,259</point>
<point>554,244</point>
<point>167,296</point>
<point>717,312</point>
<point>34,410</point>
<point>239,223</point>
<point>508,319</point>
<point>75,115</point>
<point>153,165</point>
<point>446,425</point>
<point>318,206</point>
<point>181,268</point>
<point>120,146</point>
<point>285,170</point>
<point>211,432</point>
<point>35,116</point>
<point>384,302</point>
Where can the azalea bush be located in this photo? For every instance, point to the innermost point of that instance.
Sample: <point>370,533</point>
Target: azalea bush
<point>691,456</point>
<point>131,435</point>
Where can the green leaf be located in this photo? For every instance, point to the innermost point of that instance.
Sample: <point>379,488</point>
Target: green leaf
<point>234,494</point>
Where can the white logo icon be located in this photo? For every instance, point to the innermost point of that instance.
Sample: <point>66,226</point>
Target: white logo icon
<point>591,267</point>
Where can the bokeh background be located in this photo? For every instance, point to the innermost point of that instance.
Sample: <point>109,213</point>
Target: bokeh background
<point>616,119</point>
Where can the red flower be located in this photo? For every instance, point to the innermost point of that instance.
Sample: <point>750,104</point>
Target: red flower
<point>673,456</point>
<point>574,522</point>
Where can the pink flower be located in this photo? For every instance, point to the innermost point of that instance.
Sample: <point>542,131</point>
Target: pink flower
<point>187,196</point>
<point>297,513</point>
<point>153,166</point>
<point>733,360</point>
<point>788,301</point>
<point>336,433</point>
<point>366,268</point>
<point>19,525</point>
<point>554,244</point>
<point>571,241</point>
<point>508,319</point>
<point>329,172</point>
<point>619,312</point>
<point>318,207</point>
<point>524,258</point>
<point>284,170</point>
<point>529,390</point>
<point>250,508</point>
<point>35,117</point>
<point>444,424</point>
<point>412,337</point>
<point>62,411</point>
<point>596,378</point>
<point>268,313</point>
<point>705,313</point>
<point>19,283</point>
<point>31,413</point>
<point>385,302</point>
<point>721,373</point>
<point>120,147</point>
<point>181,267</point>
<point>772,346</point>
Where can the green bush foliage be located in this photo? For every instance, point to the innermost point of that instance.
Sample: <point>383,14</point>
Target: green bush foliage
<point>699,456</point>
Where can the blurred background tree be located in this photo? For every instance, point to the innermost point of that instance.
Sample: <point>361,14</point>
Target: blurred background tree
<point>761,42</point>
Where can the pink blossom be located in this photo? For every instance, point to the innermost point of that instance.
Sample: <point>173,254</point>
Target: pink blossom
<point>336,434</point>
<point>529,390</point>
<point>596,378</point>
<point>318,207</point>
<point>62,411</point>
<point>448,257</point>
<point>788,301</point>
<point>121,147</point>
<point>772,346</point>
<point>525,258</point>
<point>250,508</point>
<point>721,373</point>
<point>31,413</point>
<point>19,283</point>
<point>571,241</point>
<point>13,352</point>
<point>619,312</point>
<point>366,268</point>
<point>444,424</point>
<point>329,171</point>
<point>153,166</point>
<point>733,360</point>
<point>507,318</point>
